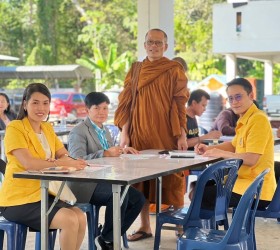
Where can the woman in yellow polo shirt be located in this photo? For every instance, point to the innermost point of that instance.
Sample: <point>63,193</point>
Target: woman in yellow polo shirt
<point>253,143</point>
<point>31,144</point>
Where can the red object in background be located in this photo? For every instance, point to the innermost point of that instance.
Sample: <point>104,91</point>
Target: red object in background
<point>72,102</point>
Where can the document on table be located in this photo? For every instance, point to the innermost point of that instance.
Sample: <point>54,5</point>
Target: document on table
<point>92,167</point>
<point>186,154</point>
<point>137,156</point>
<point>54,170</point>
<point>226,138</point>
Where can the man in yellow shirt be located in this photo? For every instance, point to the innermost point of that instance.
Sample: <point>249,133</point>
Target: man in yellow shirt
<point>253,143</point>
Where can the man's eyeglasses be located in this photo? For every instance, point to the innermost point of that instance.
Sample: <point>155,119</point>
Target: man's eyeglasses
<point>157,43</point>
<point>237,98</point>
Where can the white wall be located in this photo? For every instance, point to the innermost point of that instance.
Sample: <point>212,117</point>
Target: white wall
<point>155,14</point>
<point>260,28</point>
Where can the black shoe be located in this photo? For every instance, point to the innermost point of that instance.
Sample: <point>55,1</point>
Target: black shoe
<point>102,245</point>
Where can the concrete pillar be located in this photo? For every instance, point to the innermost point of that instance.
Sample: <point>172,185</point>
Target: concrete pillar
<point>230,67</point>
<point>155,14</point>
<point>268,78</point>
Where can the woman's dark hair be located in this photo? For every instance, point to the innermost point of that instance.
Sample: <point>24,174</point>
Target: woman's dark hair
<point>241,82</point>
<point>95,98</point>
<point>7,110</point>
<point>256,103</point>
<point>28,92</point>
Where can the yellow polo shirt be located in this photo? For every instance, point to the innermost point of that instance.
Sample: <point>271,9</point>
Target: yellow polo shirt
<point>19,134</point>
<point>254,135</point>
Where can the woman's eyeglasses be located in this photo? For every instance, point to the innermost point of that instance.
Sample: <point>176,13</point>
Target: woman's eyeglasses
<point>237,98</point>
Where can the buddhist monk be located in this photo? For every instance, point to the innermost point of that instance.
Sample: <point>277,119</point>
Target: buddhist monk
<point>157,119</point>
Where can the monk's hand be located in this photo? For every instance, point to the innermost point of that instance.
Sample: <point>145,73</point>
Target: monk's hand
<point>124,140</point>
<point>130,150</point>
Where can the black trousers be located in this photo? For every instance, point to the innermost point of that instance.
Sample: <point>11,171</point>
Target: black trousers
<point>209,198</point>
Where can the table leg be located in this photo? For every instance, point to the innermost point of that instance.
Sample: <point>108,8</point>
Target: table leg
<point>44,214</point>
<point>116,216</point>
<point>158,194</point>
<point>3,156</point>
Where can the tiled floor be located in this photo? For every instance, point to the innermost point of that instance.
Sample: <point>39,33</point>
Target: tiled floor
<point>267,235</point>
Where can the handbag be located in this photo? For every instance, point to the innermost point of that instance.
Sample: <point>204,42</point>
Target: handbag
<point>66,194</point>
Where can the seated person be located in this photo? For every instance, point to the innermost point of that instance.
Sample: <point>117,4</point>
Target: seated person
<point>197,104</point>
<point>31,144</point>
<point>89,140</point>
<point>182,62</point>
<point>6,113</point>
<point>250,144</point>
<point>225,122</point>
<point>277,163</point>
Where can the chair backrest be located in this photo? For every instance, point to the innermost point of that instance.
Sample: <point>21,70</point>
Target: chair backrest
<point>224,174</point>
<point>243,221</point>
<point>274,205</point>
<point>202,131</point>
<point>114,131</point>
<point>2,166</point>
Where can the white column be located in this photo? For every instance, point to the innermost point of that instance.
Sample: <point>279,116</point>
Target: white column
<point>230,67</point>
<point>155,14</point>
<point>268,78</point>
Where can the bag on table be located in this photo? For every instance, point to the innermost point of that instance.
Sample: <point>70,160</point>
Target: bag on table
<point>66,194</point>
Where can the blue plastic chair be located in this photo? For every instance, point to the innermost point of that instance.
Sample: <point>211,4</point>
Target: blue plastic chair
<point>241,233</point>
<point>273,209</point>
<point>195,216</point>
<point>202,131</point>
<point>114,131</point>
<point>90,211</point>
<point>52,238</point>
<point>16,233</point>
<point>94,229</point>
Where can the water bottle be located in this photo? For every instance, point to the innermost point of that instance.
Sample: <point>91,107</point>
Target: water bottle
<point>62,117</point>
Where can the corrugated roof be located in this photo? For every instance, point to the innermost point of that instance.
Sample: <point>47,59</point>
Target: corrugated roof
<point>46,72</point>
<point>8,58</point>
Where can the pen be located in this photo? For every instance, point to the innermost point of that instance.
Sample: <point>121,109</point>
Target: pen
<point>181,156</point>
<point>71,157</point>
<point>75,159</point>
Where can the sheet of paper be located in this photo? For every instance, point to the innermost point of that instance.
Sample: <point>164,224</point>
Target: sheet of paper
<point>92,167</point>
<point>187,154</point>
<point>226,138</point>
<point>137,156</point>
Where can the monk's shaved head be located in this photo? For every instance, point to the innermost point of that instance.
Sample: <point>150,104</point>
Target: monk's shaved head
<point>164,34</point>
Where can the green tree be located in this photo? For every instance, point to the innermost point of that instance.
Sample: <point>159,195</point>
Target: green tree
<point>193,36</point>
<point>109,70</point>
<point>108,22</point>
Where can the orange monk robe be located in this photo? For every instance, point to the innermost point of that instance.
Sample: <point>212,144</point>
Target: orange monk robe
<point>157,118</point>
